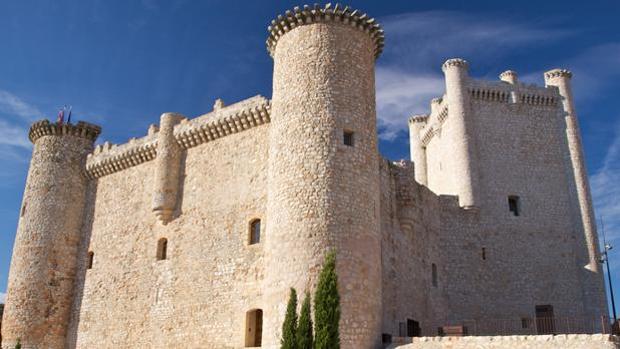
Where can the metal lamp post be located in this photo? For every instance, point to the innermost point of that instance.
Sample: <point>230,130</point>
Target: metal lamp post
<point>605,259</point>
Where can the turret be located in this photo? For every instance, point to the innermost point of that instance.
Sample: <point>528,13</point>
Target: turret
<point>461,131</point>
<point>561,78</point>
<point>418,151</point>
<point>168,168</point>
<point>44,260</point>
<point>509,76</point>
<point>323,175</point>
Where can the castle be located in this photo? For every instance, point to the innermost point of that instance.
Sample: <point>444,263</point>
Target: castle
<point>191,236</point>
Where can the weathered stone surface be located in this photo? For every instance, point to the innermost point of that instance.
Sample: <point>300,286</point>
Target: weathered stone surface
<point>432,241</point>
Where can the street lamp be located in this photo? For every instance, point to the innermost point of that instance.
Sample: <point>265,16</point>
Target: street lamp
<point>605,259</point>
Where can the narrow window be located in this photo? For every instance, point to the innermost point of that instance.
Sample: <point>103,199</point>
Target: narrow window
<point>89,263</point>
<point>162,249</point>
<point>513,204</point>
<point>347,137</point>
<point>23,210</point>
<point>434,274</point>
<point>484,254</point>
<point>255,232</point>
<point>254,328</point>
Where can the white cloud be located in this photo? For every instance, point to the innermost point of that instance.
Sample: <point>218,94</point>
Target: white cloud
<point>606,189</point>
<point>12,105</point>
<point>409,74</point>
<point>401,94</point>
<point>2,297</point>
<point>13,135</point>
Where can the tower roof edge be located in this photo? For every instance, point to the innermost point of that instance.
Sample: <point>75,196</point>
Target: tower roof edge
<point>328,13</point>
<point>80,129</point>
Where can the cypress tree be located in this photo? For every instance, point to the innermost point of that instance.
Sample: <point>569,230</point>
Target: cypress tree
<point>327,306</point>
<point>304,329</point>
<point>289,327</point>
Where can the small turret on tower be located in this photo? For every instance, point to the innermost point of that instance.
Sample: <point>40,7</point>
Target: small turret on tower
<point>168,168</point>
<point>461,132</point>
<point>509,76</point>
<point>418,151</point>
<point>44,260</point>
<point>561,78</point>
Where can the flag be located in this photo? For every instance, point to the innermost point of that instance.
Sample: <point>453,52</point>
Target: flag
<point>69,116</point>
<point>61,116</point>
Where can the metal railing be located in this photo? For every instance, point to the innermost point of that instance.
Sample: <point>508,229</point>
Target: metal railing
<point>518,326</point>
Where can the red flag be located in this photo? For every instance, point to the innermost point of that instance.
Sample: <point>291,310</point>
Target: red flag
<point>61,116</point>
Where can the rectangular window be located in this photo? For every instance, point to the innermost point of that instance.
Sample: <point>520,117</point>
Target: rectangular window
<point>347,138</point>
<point>484,254</point>
<point>514,205</point>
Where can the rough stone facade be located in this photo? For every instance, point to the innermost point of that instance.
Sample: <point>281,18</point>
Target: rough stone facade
<point>191,236</point>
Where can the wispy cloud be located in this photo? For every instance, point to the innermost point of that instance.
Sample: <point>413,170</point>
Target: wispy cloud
<point>409,74</point>
<point>15,117</point>
<point>605,188</point>
<point>12,105</point>
<point>400,94</point>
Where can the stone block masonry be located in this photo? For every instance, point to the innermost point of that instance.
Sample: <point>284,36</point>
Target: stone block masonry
<point>191,235</point>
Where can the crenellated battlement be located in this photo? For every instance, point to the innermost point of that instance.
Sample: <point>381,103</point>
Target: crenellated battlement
<point>222,121</point>
<point>556,73</point>
<point>316,14</point>
<point>46,128</point>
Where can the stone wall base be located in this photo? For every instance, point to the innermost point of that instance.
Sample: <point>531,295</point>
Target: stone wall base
<point>570,341</point>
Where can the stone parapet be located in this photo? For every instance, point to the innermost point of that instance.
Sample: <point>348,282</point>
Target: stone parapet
<point>46,128</point>
<point>315,14</point>
<point>111,158</point>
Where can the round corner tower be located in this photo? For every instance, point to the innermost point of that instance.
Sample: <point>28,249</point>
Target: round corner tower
<point>323,166</point>
<point>44,265</point>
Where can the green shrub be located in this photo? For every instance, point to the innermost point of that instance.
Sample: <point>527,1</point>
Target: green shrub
<point>305,339</point>
<point>327,306</point>
<point>289,340</point>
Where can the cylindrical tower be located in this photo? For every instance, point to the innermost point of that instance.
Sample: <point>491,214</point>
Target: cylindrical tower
<point>418,151</point>
<point>561,79</point>
<point>168,168</point>
<point>44,262</point>
<point>465,172</point>
<point>324,166</point>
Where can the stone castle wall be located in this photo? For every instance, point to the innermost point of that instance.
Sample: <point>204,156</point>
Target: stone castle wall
<point>432,241</point>
<point>200,294</point>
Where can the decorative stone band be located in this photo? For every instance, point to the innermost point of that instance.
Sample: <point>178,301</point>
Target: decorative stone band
<point>108,159</point>
<point>81,129</point>
<point>308,15</point>
<point>454,62</point>
<point>490,95</point>
<point>555,73</point>
<point>418,118</point>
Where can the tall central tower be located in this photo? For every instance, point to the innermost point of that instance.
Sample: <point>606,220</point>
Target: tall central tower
<point>323,166</point>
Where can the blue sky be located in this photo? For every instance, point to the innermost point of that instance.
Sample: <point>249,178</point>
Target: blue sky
<point>122,63</point>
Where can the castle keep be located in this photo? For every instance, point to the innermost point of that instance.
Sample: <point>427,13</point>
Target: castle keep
<point>191,236</point>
